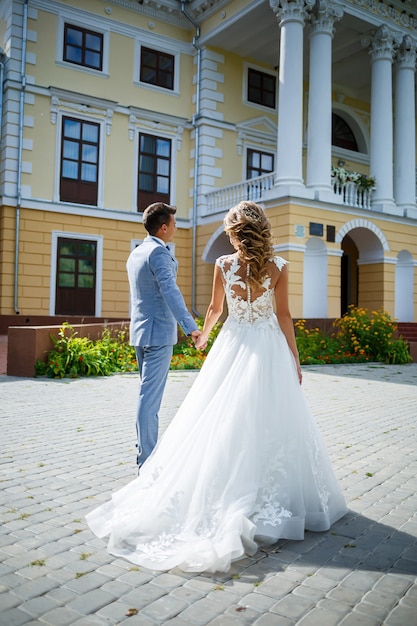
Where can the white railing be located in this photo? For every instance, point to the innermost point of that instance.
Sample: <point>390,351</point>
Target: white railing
<point>221,200</point>
<point>351,195</point>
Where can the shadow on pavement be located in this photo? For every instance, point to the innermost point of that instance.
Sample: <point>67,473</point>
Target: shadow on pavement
<point>398,374</point>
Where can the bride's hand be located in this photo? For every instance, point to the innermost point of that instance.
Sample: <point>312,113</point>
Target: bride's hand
<point>201,342</point>
<point>299,373</point>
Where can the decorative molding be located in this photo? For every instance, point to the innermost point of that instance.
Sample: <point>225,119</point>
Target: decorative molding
<point>170,10</point>
<point>291,10</point>
<point>362,223</point>
<point>323,17</point>
<point>290,247</point>
<point>401,13</point>
<point>406,54</point>
<point>136,122</point>
<point>382,43</point>
<point>81,104</point>
<point>247,131</point>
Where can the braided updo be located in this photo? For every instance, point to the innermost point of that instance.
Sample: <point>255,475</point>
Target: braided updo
<point>247,224</point>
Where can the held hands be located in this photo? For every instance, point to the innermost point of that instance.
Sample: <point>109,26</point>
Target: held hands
<point>200,341</point>
<point>195,335</point>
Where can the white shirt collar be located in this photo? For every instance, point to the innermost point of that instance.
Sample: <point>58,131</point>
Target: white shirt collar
<point>159,240</point>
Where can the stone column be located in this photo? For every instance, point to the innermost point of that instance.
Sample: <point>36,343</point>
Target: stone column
<point>382,46</point>
<point>319,131</point>
<point>291,16</point>
<point>405,128</point>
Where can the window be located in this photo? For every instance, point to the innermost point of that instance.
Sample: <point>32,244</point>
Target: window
<point>83,47</point>
<point>342,135</point>
<point>79,161</point>
<point>75,277</point>
<point>259,163</point>
<point>261,88</point>
<point>156,68</point>
<point>154,175</point>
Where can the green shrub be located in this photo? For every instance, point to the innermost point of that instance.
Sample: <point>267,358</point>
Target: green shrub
<point>75,356</point>
<point>371,333</point>
<point>316,347</point>
<point>360,335</point>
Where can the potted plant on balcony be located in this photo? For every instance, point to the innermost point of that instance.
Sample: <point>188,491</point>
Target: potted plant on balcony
<point>362,182</point>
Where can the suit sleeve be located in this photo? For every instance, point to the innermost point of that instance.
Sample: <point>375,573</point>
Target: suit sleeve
<point>162,267</point>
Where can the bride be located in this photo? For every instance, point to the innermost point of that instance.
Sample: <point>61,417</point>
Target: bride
<point>242,461</point>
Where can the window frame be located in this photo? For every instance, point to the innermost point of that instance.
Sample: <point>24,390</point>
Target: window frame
<point>58,161</point>
<point>165,137</point>
<point>67,20</point>
<point>338,120</point>
<point>84,49</point>
<point>151,45</point>
<point>80,161</point>
<point>159,55</point>
<point>251,149</point>
<point>245,85</point>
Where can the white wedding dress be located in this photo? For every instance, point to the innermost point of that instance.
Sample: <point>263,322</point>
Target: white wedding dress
<point>241,460</point>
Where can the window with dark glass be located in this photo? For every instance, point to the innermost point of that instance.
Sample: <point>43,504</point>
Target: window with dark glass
<point>259,163</point>
<point>154,175</point>
<point>75,277</point>
<point>156,68</point>
<point>83,47</point>
<point>79,161</point>
<point>342,135</point>
<point>261,88</point>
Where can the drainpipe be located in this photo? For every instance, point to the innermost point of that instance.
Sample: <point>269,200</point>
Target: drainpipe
<point>19,155</point>
<point>195,120</point>
<point>1,94</point>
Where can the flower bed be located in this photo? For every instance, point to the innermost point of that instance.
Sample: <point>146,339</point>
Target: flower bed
<point>359,336</point>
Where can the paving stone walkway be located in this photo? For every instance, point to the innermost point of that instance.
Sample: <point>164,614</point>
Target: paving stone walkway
<point>67,444</point>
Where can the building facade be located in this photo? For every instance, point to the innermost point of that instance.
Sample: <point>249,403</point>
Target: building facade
<point>304,106</point>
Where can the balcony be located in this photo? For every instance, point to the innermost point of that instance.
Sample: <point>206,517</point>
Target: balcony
<point>221,200</point>
<point>350,195</point>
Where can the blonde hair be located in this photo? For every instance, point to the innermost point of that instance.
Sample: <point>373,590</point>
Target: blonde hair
<point>247,224</point>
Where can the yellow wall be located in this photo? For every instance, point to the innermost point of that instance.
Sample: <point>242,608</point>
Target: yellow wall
<point>377,281</point>
<point>119,85</point>
<point>35,259</point>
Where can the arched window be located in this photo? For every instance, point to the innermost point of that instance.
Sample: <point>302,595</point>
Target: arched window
<point>342,135</point>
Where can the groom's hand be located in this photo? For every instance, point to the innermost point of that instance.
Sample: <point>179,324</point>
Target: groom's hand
<point>201,342</point>
<point>195,335</point>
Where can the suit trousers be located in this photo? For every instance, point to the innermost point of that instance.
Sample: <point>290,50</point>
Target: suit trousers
<point>153,366</point>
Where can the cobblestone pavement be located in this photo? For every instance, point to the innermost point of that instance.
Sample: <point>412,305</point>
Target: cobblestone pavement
<point>65,445</point>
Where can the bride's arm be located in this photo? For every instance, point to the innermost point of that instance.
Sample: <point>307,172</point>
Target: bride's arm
<point>284,316</point>
<point>215,308</point>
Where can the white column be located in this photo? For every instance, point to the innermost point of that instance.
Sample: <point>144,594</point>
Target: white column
<point>382,51</point>
<point>405,129</point>
<point>291,15</point>
<point>319,130</point>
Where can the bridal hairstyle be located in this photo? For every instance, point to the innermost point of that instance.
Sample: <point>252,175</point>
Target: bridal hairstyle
<point>247,225</point>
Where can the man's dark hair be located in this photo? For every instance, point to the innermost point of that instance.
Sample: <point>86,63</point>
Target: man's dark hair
<point>157,214</point>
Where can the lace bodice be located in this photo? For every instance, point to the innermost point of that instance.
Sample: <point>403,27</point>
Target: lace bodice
<point>245,307</point>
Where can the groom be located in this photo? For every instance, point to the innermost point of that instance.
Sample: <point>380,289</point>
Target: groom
<point>157,306</point>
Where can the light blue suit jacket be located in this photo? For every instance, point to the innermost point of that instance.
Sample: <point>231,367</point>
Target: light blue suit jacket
<point>157,305</point>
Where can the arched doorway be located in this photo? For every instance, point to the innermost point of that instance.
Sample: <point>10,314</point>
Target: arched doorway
<point>362,265</point>
<point>349,275</point>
